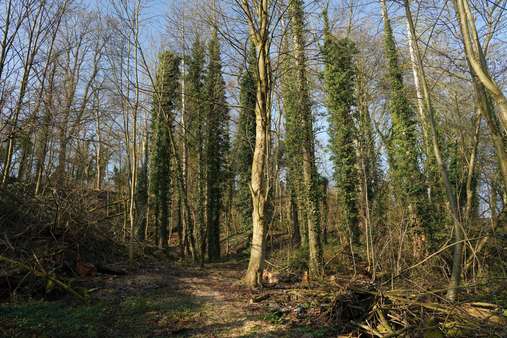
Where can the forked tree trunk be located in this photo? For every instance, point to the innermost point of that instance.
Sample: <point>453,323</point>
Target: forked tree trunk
<point>475,57</point>
<point>477,64</point>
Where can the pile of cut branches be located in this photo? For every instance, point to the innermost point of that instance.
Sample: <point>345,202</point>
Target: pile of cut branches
<point>41,237</point>
<point>396,313</point>
<point>360,308</point>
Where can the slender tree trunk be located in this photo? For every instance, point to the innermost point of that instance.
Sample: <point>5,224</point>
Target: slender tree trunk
<point>311,188</point>
<point>183,192</point>
<point>34,36</point>
<point>325,210</point>
<point>201,188</point>
<point>420,109</point>
<point>187,233</point>
<point>487,110</point>
<point>476,59</point>
<point>470,192</point>
<point>260,37</point>
<point>42,144</point>
<point>451,195</point>
<point>98,154</point>
<point>134,150</point>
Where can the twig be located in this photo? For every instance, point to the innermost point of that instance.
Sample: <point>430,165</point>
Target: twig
<point>397,333</point>
<point>384,321</point>
<point>443,248</point>
<point>367,328</point>
<point>8,243</point>
<point>331,259</point>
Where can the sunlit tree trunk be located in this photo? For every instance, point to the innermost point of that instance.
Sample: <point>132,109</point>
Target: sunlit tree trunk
<point>257,14</point>
<point>476,59</point>
<point>451,194</point>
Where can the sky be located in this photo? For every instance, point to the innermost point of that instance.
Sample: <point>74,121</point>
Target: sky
<point>155,29</point>
<point>154,36</point>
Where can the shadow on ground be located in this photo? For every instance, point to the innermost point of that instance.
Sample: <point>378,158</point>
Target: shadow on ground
<point>170,301</point>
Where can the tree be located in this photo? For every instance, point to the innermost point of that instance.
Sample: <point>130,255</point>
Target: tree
<point>300,106</point>
<point>368,161</point>
<point>484,86</point>
<point>257,15</point>
<point>449,188</point>
<point>339,84</point>
<point>142,195</point>
<point>476,59</point>
<point>196,124</point>
<point>35,36</point>
<point>164,100</point>
<point>407,180</point>
<point>217,143</point>
<point>293,144</point>
<point>245,136</point>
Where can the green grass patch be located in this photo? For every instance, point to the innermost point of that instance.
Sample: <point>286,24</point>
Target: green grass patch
<point>131,317</point>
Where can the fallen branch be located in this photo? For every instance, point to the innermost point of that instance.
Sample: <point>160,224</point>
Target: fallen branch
<point>45,275</point>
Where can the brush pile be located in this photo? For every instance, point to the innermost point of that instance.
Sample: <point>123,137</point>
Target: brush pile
<point>42,238</point>
<point>396,313</point>
<point>360,308</point>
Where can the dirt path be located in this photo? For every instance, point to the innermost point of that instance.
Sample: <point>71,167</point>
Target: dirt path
<point>222,306</point>
<point>158,300</point>
<point>195,302</point>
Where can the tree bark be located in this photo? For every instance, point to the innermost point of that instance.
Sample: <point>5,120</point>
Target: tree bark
<point>259,32</point>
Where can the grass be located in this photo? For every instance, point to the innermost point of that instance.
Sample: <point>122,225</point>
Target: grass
<point>136,316</point>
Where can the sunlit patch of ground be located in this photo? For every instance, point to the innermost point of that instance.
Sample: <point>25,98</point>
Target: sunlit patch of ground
<point>155,302</point>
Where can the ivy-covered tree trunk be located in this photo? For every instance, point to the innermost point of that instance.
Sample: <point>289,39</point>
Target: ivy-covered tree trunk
<point>245,138</point>
<point>217,144</point>
<point>293,145</point>
<point>294,219</point>
<point>303,115</point>
<point>407,180</point>
<point>324,186</point>
<point>196,125</point>
<point>142,195</point>
<point>164,99</point>
<point>339,85</point>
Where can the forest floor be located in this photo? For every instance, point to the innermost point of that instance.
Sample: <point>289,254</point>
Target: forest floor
<point>159,300</point>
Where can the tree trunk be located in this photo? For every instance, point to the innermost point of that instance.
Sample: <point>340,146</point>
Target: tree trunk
<point>34,34</point>
<point>451,195</point>
<point>311,188</point>
<point>476,59</point>
<point>294,220</point>
<point>260,37</point>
